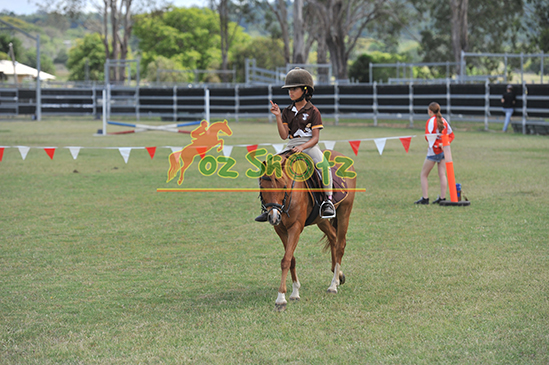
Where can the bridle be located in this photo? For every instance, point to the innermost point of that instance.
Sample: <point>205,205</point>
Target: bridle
<point>286,202</point>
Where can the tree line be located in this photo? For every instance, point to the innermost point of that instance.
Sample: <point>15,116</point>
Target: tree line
<point>221,35</point>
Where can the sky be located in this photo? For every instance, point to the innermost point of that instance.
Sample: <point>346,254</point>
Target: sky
<point>27,7</point>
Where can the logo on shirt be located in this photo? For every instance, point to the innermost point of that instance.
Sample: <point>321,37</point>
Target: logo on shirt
<point>305,116</point>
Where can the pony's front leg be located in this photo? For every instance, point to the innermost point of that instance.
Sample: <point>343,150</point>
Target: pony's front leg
<point>289,239</point>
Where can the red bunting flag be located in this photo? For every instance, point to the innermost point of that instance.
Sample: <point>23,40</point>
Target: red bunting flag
<point>151,151</point>
<point>1,153</point>
<point>406,143</point>
<point>201,151</point>
<point>354,146</point>
<point>50,151</point>
<point>252,148</point>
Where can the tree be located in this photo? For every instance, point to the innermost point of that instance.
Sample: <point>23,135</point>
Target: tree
<point>538,24</point>
<point>343,23</point>
<point>360,69</point>
<point>87,59</point>
<point>487,26</point>
<point>116,20</point>
<point>188,36</point>
<point>267,51</point>
<point>459,10</point>
<point>228,9</point>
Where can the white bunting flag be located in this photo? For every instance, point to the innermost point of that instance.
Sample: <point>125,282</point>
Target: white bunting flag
<point>125,152</point>
<point>74,151</point>
<point>431,138</point>
<point>176,149</point>
<point>227,150</point>
<point>23,150</point>
<point>329,145</point>
<point>278,147</point>
<point>380,144</point>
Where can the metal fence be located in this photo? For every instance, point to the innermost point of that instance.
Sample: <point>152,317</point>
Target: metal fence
<point>466,102</point>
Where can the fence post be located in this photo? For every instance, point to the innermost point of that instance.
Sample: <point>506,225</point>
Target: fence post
<point>94,101</point>
<point>521,68</point>
<point>524,101</point>
<point>448,101</point>
<point>207,103</point>
<point>411,107</point>
<point>336,102</point>
<point>505,61</point>
<point>462,67</point>
<point>270,97</point>
<point>486,104</point>
<point>542,57</point>
<point>375,104</point>
<point>104,130</point>
<point>371,74</point>
<point>174,96</point>
<point>236,102</point>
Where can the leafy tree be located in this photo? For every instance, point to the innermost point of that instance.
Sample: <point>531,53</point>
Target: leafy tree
<point>188,36</point>
<point>267,51</point>
<point>116,28</point>
<point>46,63</point>
<point>6,39</point>
<point>538,24</point>
<point>88,55</point>
<point>360,69</point>
<point>163,63</point>
<point>476,26</point>
<point>343,22</point>
<point>22,55</point>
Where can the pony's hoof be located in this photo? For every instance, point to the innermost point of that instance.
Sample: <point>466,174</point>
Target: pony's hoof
<point>295,299</point>
<point>280,307</point>
<point>342,279</point>
<point>332,291</point>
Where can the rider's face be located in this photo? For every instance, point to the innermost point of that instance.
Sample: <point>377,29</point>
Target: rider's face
<point>295,92</point>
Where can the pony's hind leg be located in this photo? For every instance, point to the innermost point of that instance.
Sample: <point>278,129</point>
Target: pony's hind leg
<point>295,282</point>
<point>338,250</point>
<point>333,243</point>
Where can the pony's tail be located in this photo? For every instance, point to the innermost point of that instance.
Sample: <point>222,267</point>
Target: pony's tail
<point>325,239</point>
<point>174,165</point>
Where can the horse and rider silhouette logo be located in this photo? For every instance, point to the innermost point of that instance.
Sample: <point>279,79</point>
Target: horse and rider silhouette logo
<point>204,138</point>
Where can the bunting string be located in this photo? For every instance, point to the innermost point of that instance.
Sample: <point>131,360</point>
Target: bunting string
<point>227,149</point>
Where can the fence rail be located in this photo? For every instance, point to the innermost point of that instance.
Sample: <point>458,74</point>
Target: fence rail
<point>471,102</point>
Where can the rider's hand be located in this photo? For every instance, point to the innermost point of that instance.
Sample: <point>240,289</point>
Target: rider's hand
<point>274,108</point>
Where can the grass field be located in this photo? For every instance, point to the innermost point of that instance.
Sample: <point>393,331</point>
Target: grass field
<point>97,267</point>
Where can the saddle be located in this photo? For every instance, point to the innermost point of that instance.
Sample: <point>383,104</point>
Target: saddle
<point>315,182</point>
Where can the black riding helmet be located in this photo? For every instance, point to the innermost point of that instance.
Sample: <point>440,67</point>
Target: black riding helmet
<point>299,77</point>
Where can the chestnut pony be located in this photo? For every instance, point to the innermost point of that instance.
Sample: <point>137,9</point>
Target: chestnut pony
<point>289,204</point>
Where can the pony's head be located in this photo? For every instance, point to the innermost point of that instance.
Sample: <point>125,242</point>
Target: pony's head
<point>275,197</point>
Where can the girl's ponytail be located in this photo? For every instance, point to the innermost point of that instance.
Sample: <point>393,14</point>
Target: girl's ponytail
<point>435,108</point>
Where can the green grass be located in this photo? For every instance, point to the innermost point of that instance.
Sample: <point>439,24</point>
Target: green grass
<point>97,267</point>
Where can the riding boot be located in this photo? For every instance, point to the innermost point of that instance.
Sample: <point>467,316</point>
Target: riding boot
<point>327,209</point>
<point>263,217</point>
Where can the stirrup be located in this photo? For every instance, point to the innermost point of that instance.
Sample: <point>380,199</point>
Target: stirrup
<point>329,203</point>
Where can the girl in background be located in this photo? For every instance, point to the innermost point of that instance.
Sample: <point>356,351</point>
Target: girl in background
<point>435,155</point>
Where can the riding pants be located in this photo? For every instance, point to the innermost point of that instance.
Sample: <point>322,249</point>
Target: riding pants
<point>316,155</point>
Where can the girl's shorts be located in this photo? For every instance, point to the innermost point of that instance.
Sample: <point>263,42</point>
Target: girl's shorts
<point>436,158</point>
